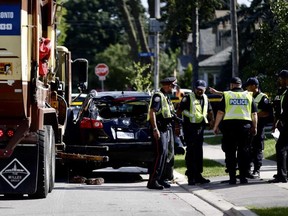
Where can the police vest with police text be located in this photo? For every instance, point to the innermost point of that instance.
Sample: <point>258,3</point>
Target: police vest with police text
<point>238,105</point>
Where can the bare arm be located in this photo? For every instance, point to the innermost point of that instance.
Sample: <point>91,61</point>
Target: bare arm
<point>219,117</point>
<point>214,91</point>
<point>254,123</point>
<point>211,119</point>
<point>152,116</point>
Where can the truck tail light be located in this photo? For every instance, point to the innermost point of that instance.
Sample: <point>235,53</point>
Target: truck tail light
<point>90,123</point>
<point>10,133</point>
<point>1,133</point>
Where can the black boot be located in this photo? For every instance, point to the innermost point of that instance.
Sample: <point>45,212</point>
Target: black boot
<point>154,185</point>
<point>232,178</point>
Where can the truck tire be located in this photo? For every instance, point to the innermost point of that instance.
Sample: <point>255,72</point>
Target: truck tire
<point>52,154</point>
<point>43,166</point>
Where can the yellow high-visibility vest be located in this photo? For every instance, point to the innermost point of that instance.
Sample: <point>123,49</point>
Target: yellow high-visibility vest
<point>196,114</point>
<point>258,99</point>
<point>238,105</point>
<point>165,107</point>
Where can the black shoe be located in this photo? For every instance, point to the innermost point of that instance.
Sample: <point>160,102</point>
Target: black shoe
<point>232,181</point>
<point>180,150</point>
<point>202,180</point>
<point>191,182</point>
<point>249,175</point>
<point>243,181</point>
<point>165,184</point>
<point>278,180</point>
<point>155,185</point>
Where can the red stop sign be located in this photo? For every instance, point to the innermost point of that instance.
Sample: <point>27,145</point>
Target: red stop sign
<point>101,70</point>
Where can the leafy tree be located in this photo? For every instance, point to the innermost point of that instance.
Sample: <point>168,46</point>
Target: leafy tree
<point>184,81</point>
<point>268,51</point>
<point>93,25</point>
<point>115,56</point>
<point>139,82</point>
<point>61,25</point>
<point>183,18</point>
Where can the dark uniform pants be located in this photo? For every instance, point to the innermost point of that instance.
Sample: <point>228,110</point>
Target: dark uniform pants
<point>281,153</point>
<point>236,145</point>
<point>193,136</point>
<point>258,146</point>
<point>160,159</point>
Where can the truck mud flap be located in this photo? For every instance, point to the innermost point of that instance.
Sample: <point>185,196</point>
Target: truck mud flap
<point>18,173</point>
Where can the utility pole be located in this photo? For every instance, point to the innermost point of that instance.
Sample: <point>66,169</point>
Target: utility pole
<point>234,33</point>
<point>156,48</point>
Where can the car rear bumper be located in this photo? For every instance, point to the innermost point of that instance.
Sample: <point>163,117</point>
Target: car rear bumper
<point>120,154</point>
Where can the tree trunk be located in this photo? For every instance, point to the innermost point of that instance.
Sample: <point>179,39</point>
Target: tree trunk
<point>195,44</point>
<point>234,33</point>
<point>132,39</point>
<point>140,30</point>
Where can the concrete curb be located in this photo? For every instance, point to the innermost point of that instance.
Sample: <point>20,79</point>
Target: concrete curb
<point>221,204</point>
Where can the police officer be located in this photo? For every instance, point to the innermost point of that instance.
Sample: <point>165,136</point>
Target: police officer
<point>160,118</point>
<point>196,111</point>
<point>282,125</point>
<point>276,104</point>
<point>239,114</point>
<point>264,109</point>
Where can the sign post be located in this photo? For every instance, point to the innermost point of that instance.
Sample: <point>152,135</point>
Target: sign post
<point>102,70</point>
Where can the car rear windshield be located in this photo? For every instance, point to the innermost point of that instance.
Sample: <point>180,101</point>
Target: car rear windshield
<point>130,109</point>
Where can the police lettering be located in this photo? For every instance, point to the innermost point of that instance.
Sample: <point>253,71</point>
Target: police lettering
<point>238,101</point>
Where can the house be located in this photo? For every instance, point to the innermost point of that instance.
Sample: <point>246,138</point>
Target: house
<point>215,46</point>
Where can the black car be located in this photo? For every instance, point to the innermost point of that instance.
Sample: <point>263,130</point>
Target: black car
<point>115,121</point>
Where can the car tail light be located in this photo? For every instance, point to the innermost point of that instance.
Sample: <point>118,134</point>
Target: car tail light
<point>90,123</point>
<point>10,133</point>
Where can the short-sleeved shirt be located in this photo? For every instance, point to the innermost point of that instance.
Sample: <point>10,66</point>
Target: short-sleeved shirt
<point>156,105</point>
<point>222,105</point>
<point>185,105</point>
<point>263,105</point>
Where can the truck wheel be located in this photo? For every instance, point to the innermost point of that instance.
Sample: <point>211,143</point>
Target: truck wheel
<point>43,166</point>
<point>52,154</point>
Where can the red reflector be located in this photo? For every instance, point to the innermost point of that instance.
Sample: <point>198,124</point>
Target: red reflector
<point>90,123</point>
<point>1,133</point>
<point>10,133</point>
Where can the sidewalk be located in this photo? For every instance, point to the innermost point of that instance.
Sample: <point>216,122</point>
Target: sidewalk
<point>235,199</point>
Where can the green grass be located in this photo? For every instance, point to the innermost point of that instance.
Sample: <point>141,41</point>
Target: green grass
<point>269,149</point>
<point>210,168</point>
<point>277,211</point>
<point>213,140</point>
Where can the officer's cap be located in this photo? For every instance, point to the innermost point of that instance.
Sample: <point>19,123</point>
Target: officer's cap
<point>252,81</point>
<point>200,84</point>
<point>169,80</point>
<point>236,80</point>
<point>283,74</point>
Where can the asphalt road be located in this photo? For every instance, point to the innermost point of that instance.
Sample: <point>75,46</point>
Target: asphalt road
<point>120,194</point>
